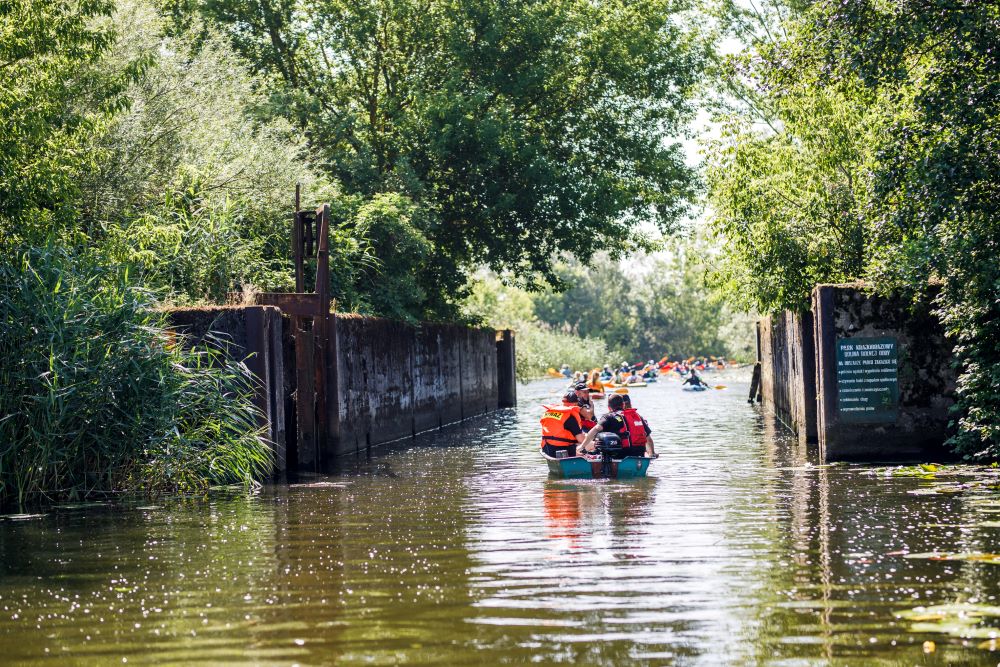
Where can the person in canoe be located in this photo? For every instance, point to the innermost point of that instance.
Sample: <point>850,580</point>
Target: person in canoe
<point>595,386</point>
<point>695,380</point>
<point>586,403</point>
<point>561,429</point>
<point>627,424</point>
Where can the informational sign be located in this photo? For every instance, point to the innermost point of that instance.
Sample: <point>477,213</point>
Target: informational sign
<point>867,380</point>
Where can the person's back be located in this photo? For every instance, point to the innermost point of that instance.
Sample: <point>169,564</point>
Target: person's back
<point>561,427</point>
<point>626,423</point>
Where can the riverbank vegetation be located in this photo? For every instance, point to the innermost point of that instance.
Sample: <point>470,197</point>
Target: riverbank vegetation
<point>98,397</point>
<point>149,151</point>
<point>864,146</point>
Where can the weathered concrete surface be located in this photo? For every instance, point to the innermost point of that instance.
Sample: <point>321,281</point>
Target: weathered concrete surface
<point>926,377</point>
<point>252,335</point>
<point>394,380</point>
<point>386,380</point>
<point>788,374</point>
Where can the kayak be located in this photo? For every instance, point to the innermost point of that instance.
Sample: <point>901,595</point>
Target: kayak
<point>689,387</point>
<point>636,384</point>
<point>583,467</point>
<point>597,395</point>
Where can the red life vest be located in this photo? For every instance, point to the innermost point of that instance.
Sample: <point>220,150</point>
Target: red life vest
<point>635,426</point>
<point>554,431</point>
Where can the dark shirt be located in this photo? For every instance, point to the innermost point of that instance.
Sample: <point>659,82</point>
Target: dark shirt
<point>614,422</point>
<point>573,426</point>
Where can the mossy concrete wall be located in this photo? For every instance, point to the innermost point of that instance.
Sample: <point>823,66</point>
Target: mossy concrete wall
<point>391,380</point>
<point>788,372</point>
<point>385,380</point>
<point>926,377</point>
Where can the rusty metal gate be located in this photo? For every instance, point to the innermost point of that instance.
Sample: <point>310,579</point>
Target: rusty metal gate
<point>310,316</point>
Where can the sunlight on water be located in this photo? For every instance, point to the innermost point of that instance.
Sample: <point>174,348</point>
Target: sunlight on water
<point>459,549</point>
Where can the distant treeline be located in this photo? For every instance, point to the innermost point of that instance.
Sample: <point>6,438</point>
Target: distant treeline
<point>610,312</point>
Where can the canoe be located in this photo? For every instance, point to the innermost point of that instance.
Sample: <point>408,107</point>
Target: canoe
<point>579,467</point>
<point>689,387</point>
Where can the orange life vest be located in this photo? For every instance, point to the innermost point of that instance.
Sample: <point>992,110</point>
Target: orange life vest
<point>554,431</point>
<point>635,426</point>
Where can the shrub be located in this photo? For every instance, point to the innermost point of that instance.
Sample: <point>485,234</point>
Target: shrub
<point>97,397</point>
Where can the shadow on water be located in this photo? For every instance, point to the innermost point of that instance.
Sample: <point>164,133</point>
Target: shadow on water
<point>457,548</point>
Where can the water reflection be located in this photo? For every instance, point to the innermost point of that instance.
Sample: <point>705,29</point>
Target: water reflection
<point>738,549</point>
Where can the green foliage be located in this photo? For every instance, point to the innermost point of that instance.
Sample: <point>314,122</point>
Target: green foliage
<point>524,129</point>
<point>96,398</point>
<point>782,181</point>
<point>645,309</point>
<point>191,251</point>
<point>50,106</point>
<point>539,347</point>
<point>604,316</point>
<point>194,187</point>
<point>905,156</point>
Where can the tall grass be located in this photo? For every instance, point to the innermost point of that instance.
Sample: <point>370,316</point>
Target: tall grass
<point>96,397</point>
<point>539,348</point>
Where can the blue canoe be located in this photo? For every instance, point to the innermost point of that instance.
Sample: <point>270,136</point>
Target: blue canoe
<point>578,467</point>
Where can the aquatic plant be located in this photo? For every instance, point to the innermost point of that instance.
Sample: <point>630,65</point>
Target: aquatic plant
<point>97,396</point>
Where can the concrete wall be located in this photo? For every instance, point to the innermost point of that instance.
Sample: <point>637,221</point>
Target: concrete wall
<point>253,335</point>
<point>386,380</point>
<point>926,378</point>
<point>391,380</point>
<point>788,374</point>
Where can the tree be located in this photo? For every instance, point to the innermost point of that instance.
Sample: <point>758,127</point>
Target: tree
<point>910,143</point>
<point>50,104</point>
<point>526,130</point>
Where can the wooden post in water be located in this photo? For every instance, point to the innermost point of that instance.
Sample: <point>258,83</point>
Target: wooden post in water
<point>506,372</point>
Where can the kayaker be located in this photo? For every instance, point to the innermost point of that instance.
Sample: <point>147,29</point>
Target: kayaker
<point>606,373</point>
<point>561,429</point>
<point>565,370</point>
<point>595,386</point>
<point>634,378</point>
<point>695,380</point>
<point>628,425</point>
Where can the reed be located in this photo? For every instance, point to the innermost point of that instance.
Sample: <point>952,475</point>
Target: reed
<point>96,397</point>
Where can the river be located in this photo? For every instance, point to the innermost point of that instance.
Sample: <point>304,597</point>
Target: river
<point>458,549</point>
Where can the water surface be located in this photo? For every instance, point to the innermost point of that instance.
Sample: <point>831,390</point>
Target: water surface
<point>458,549</point>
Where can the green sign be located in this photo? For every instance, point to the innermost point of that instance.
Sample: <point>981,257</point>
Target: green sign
<point>867,380</point>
